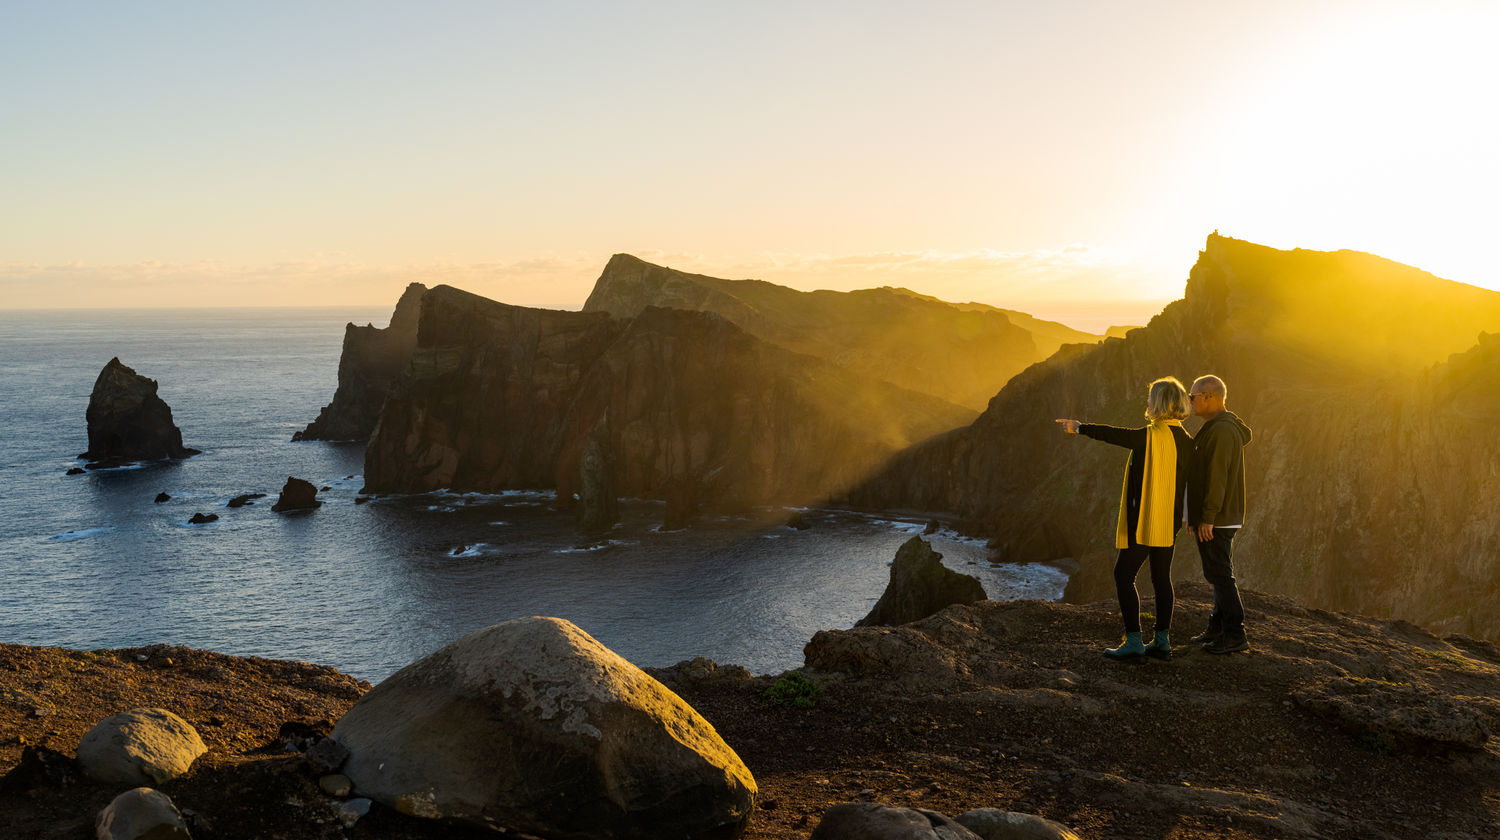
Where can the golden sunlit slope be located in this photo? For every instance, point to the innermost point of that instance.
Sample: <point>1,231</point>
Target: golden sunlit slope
<point>963,354</point>
<point>1048,335</point>
<point>1371,467</point>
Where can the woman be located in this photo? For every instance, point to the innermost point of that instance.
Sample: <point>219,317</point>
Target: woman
<point>1151,506</point>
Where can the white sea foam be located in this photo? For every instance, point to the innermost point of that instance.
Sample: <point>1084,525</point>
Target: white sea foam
<point>599,546</point>
<point>475,550</point>
<point>80,534</point>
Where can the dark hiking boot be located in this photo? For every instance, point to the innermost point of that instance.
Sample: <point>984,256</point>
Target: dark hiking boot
<point>1228,643</point>
<point>1160,647</point>
<point>1213,632</point>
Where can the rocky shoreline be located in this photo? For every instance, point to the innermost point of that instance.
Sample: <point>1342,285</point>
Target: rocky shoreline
<point>1333,726</point>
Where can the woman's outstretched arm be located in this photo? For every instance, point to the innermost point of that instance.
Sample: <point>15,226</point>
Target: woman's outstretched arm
<point>1128,438</point>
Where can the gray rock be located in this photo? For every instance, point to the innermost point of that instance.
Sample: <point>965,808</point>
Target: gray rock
<point>534,726</point>
<point>995,824</point>
<point>140,814</point>
<point>920,585</point>
<point>349,812</point>
<point>335,785</point>
<point>873,821</point>
<point>141,746</point>
<point>326,756</point>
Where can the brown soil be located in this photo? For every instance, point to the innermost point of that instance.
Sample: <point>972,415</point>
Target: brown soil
<point>1007,705</point>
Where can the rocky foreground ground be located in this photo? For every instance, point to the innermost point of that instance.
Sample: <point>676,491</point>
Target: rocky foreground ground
<point>1332,726</point>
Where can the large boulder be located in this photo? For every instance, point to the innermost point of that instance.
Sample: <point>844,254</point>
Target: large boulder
<point>920,586</point>
<point>297,495</point>
<point>128,421</point>
<point>873,821</point>
<point>532,725</point>
<point>141,814</point>
<point>995,824</point>
<point>140,747</point>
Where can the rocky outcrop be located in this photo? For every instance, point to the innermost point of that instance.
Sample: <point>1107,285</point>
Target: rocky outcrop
<point>141,814</point>
<point>962,353</point>
<point>128,422</point>
<point>501,397</point>
<point>920,585</point>
<point>140,747</point>
<point>297,494</point>
<point>598,505</point>
<point>372,358</point>
<point>203,518</point>
<point>532,725</point>
<point>873,821</point>
<point>244,499</point>
<point>1363,450</point>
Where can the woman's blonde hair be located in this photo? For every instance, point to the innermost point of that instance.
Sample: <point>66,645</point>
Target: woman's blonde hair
<point>1167,400</point>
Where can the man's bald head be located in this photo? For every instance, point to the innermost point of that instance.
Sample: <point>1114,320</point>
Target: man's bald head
<point>1207,396</point>
<point>1209,384</point>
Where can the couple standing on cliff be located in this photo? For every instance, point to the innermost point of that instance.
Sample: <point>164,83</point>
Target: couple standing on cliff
<point>1173,479</point>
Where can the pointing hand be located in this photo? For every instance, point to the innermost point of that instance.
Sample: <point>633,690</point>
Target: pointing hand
<point>1069,426</point>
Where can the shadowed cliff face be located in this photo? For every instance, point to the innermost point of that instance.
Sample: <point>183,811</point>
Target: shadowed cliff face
<point>501,397</point>
<point>1368,471</point>
<point>371,360</point>
<point>961,353</point>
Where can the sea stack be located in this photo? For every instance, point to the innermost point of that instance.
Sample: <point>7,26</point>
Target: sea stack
<point>128,421</point>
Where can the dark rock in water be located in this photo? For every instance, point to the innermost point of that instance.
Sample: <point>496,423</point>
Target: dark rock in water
<point>162,497</point>
<point>324,489</point>
<point>372,359</point>
<point>297,495</point>
<point>873,821</point>
<point>359,500</point>
<point>128,421</point>
<point>76,471</point>
<point>800,522</point>
<point>203,518</point>
<point>682,504</point>
<point>920,586</point>
<point>933,526</point>
<point>598,505</point>
<point>244,499</point>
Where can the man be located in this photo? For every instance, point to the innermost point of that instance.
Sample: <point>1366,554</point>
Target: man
<point>1216,509</point>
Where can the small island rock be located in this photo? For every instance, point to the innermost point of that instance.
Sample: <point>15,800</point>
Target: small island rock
<point>297,495</point>
<point>141,746</point>
<point>920,585</point>
<point>76,471</point>
<point>162,497</point>
<point>128,422</point>
<point>203,518</point>
<point>244,499</point>
<point>533,725</point>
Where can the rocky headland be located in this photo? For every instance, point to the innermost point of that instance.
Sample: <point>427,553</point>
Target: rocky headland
<point>371,360</point>
<point>1334,726</point>
<point>502,397</point>
<point>962,353</point>
<point>1367,391</point>
<point>128,422</point>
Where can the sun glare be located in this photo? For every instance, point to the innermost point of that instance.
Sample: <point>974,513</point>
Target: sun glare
<point>1378,137</point>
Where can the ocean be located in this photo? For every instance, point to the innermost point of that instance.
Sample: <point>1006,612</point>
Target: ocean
<point>91,561</point>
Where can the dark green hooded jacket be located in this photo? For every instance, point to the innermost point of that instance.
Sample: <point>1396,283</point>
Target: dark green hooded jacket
<point>1216,474</point>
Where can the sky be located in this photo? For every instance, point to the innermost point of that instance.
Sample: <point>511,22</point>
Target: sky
<point>1065,158</point>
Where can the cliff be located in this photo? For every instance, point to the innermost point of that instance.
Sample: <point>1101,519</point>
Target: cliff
<point>1364,475</point>
<point>960,353</point>
<point>127,421</point>
<point>500,396</point>
<point>372,358</point>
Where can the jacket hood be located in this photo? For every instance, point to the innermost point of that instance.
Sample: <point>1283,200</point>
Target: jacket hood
<point>1231,417</point>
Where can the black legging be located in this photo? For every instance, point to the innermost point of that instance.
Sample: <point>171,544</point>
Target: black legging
<point>1127,566</point>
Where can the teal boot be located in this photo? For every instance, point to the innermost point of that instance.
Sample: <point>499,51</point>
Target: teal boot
<point>1131,651</point>
<point>1160,647</point>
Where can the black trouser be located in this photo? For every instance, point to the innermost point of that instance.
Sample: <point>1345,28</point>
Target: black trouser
<point>1218,569</point>
<point>1127,566</point>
